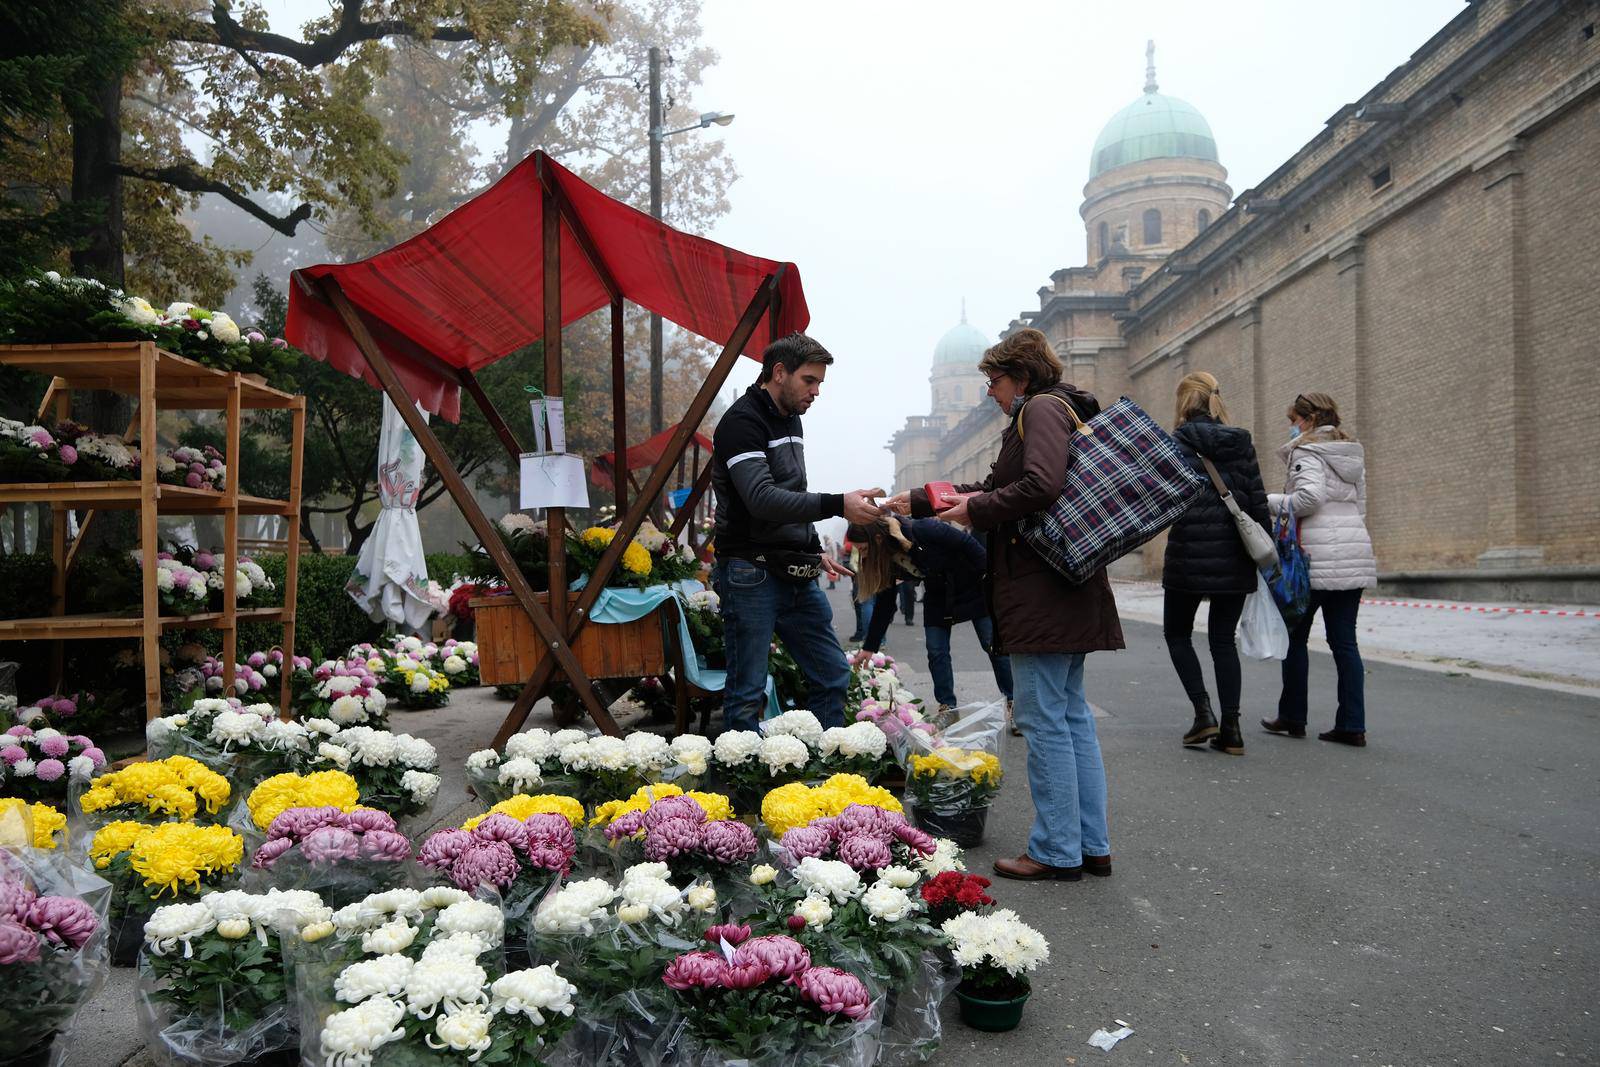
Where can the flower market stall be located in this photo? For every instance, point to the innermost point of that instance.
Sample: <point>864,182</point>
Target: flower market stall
<point>537,250</point>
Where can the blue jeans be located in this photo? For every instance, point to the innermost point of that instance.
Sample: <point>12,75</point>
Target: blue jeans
<point>1065,774</point>
<point>755,606</point>
<point>944,679</point>
<point>863,613</point>
<point>1339,607</point>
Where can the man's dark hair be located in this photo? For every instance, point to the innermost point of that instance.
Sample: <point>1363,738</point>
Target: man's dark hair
<point>794,352</point>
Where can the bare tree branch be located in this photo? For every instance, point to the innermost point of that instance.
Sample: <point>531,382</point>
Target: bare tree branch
<point>192,181</point>
<point>324,48</point>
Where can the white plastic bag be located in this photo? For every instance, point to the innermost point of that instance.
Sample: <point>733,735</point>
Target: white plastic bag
<point>1262,633</point>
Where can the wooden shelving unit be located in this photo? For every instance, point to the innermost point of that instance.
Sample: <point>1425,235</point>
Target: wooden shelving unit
<point>157,380</point>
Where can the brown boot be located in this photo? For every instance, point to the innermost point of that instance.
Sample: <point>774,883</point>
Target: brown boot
<point>1027,869</point>
<point>1228,738</point>
<point>1099,866</point>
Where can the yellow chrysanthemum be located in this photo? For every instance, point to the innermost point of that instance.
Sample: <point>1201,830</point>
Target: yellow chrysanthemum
<point>320,789</point>
<point>949,762</point>
<point>175,855</point>
<point>639,800</point>
<point>796,804</point>
<point>174,786</point>
<point>636,559</point>
<point>522,805</point>
<point>46,821</point>
<point>597,536</point>
<point>113,838</point>
<point>718,807</point>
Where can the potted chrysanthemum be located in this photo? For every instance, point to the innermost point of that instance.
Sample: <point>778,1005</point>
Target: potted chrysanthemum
<point>996,953</point>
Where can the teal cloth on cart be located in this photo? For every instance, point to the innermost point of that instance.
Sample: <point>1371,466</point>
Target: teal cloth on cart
<point>626,604</point>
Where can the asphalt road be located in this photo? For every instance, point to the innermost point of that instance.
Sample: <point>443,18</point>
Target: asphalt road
<point>1430,899</point>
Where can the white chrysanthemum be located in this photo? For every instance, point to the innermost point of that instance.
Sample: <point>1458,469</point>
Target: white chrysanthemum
<point>465,1029</point>
<point>575,908</point>
<point>887,903</point>
<point>655,871</point>
<point>532,744</point>
<point>763,874</point>
<point>325,727</point>
<point>863,739</point>
<point>138,310</point>
<point>403,902</point>
<point>946,856</point>
<point>458,946</point>
<point>816,911</point>
<point>235,727</point>
<point>473,917</point>
<point>24,768</point>
<point>338,755</point>
<point>286,735</point>
<point>482,760</point>
<point>339,684</point>
<point>157,731</point>
<point>830,877</point>
<point>177,924</point>
<point>353,919</point>
<point>687,747</point>
<point>454,665</point>
<point>393,936</point>
<point>453,982</point>
<point>298,907</point>
<point>734,747</point>
<point>516,522</point>
<point>797,723</point>
<point>415,752</point>
<point>632,913</point>
<point>648,751</point>
<point>533,993</point>
<point>369,747</point>
<point>350,1037</point>
<point>899,877</point>
<point>382,975</point>
<point>422,785</point>
<point>80,768</point>
<point>783,752</point>
<point>164,580</point>
<point>655,894</point>
<point>520,773</point>
<point>347,710</point>
<point>705,600</point>
<point>701,897</point>
<point>442,896</point>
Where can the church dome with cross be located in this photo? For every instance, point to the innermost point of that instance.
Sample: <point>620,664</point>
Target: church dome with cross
<point>1155,178</point>
<point>955,379</point>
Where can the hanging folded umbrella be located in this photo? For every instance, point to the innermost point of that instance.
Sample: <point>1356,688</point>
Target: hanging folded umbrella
<point>390,581</point>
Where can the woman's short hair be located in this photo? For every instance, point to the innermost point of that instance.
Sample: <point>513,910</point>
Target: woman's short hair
<point>1025,356</point>
<point>1199,394</point>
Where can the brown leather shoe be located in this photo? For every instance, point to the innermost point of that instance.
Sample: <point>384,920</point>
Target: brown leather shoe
<point>1099,866</point>
<point>1027,869</point>
<point>1345,737</point>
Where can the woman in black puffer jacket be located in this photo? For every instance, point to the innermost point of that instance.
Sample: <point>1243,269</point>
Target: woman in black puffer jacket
<point>1206,559</point>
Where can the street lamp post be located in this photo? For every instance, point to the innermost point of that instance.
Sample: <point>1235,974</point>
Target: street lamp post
<point>657,135</point>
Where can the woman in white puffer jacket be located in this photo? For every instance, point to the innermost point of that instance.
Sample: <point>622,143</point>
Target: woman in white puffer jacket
<point>1327,494</point>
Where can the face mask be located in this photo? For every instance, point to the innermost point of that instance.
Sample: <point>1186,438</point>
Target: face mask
<point>1294,431</point>
<point>1015,402</point>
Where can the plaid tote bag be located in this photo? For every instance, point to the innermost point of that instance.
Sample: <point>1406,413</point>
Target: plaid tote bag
<point>1127,482</point>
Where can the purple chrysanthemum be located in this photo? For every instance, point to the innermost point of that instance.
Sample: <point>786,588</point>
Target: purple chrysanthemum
<point>485,863</point>
<point>728,841</point>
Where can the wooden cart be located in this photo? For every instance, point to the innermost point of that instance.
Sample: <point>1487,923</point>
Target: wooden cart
<point>157,380</point>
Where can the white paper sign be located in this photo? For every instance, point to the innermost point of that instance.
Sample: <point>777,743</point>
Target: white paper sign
<point>553,480</point>
<point>536,410</point>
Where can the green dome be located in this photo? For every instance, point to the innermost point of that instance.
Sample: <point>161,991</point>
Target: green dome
<point>1152,127</point>
<point>963,344</point>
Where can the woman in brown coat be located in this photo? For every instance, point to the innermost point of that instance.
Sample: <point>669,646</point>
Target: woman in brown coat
<point>1043,622</point>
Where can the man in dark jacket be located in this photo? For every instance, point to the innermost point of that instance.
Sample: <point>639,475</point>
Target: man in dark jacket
<point>951,563</point>
<point>768,553</point>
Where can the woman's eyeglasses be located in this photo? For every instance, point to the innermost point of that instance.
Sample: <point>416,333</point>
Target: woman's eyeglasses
<point>991,381</point>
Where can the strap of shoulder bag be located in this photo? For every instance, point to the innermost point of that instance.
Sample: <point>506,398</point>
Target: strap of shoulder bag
<point>1216,479</point>
<point>1072,413</point>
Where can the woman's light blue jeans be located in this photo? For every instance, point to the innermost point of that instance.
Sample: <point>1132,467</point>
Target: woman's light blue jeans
<point>1065,774</point>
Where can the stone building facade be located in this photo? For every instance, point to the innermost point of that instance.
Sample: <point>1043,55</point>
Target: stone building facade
<point>1426,259</point>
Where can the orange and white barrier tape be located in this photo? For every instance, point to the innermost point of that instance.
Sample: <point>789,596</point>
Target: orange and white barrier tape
<point>1483,610</point>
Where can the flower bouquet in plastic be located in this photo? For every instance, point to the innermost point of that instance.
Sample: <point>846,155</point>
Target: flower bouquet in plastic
<point>520,859</point>
<point>52,953</point>
<point>873,678</point>
<point>607,767</point>
<point>763,1002</point>
<point>340,855</point>
<point>694,834</point>
<point>860,748</point>
<point>395,772</point>
<point>798,804</point>
<point>25,825</point>
<point>348,693</point>
<point>248,741</point>
<point>428,986</point>
<point>531,759</point>
<point>273,796</point>
<point>213,987</point>
<point>899,723</point>
<point>151,865</point>
<point>40,764</point>
<point>748,764</point>
<point>995,952</point>
<point>177,787</point>
<point>951,781</point>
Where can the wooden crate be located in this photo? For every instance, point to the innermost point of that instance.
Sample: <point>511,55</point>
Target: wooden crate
<point>509,648</point>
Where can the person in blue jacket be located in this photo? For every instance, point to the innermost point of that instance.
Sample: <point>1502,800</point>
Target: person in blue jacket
<point>949,562</point>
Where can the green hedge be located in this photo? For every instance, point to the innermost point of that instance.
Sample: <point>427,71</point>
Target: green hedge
<point>327,621</point>
<point>446,567</point>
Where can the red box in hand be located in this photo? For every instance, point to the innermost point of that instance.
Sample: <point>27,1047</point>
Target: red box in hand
<point>941,495</point>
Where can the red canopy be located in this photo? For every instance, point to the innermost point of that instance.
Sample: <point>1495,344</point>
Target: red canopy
<point>643,454</point>
<point>469,290</point>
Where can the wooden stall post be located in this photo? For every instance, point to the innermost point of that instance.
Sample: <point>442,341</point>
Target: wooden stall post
<point>291,568</point>
<point>482,528</point>
<point>149,531</point>
<point>748,322</point>
<point>619,410</point>
<point>230,537</point>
